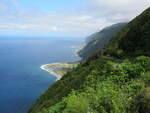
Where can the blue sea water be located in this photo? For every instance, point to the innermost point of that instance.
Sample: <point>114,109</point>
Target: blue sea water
<point>21,79</point>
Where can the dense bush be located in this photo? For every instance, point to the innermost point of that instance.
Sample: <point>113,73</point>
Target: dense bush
<point>115,89</point>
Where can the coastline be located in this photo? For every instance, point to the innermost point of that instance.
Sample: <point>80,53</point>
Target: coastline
<point>59,69</point>
<point>51,71</point>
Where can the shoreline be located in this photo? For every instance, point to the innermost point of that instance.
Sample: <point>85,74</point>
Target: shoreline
<point>59,69</point>
<point>52,67</point>
<point>51,71</point>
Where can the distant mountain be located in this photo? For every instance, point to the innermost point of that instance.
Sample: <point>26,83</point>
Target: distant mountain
<point>90,38</point>
<point>115,79</point>
<point>98,40</point>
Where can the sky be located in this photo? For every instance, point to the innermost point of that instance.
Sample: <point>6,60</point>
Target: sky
<point>64,18</point>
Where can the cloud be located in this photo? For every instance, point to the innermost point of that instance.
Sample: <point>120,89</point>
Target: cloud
<point>89,17</point>
<point>8,5</point>
<point>116,10</point>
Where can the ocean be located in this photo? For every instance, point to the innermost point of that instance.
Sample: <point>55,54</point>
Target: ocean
<point>21,79</point>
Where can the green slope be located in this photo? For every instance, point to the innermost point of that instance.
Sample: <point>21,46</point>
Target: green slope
<point>113,80</point>
<point>134,39</point>
<point>99,40</point>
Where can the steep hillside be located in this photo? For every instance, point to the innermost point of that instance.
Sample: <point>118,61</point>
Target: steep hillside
<point>90,38</point>
<point>113,80</point>
<point>98,40</point>
<point>134,39</point>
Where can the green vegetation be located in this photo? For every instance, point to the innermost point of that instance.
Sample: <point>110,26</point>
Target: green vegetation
<point>115,79</point>
<point>98,40</point>
<point>133,40</point>
<point>115,86</point>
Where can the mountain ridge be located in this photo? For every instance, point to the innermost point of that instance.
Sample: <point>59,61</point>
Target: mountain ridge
<point>98,40</point>
<point>112,80</point>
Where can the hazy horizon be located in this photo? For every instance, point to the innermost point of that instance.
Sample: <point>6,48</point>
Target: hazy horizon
<point>78,18</point>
